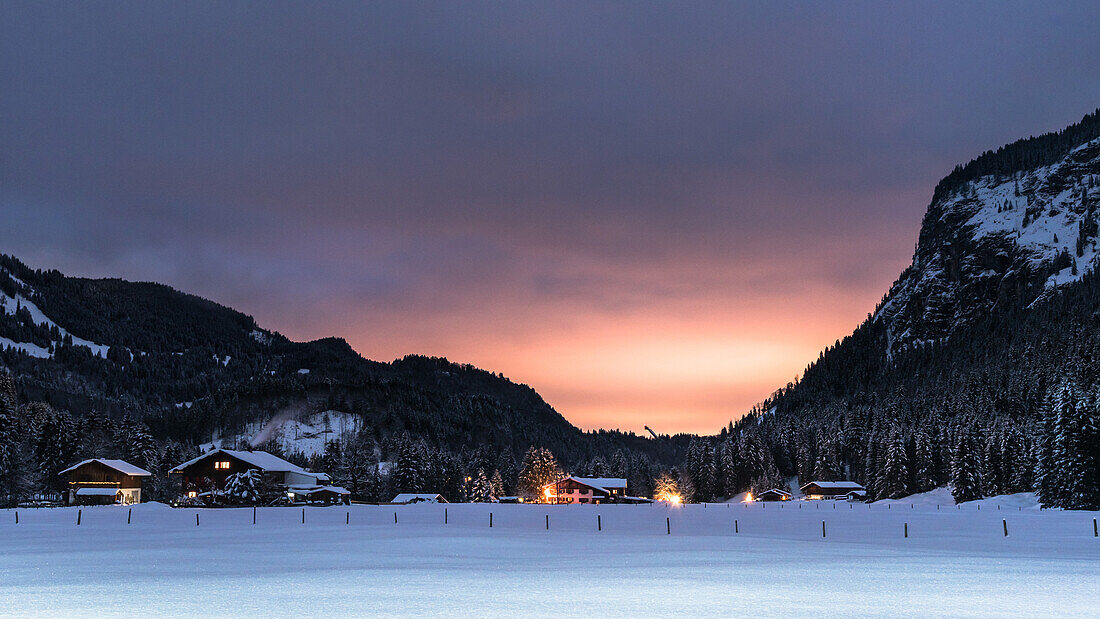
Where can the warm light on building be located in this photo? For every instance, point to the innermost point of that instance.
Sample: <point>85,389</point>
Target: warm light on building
<point>222,464</point>
<point>748,497</point>
<point>192,494</point>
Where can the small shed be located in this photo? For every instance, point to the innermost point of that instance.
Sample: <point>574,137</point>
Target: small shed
<point>409,498</point>
<point>774,494</point>
<point>319,494</point>
<point>101,481</point>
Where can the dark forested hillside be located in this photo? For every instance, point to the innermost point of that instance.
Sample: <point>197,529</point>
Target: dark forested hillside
<point>981,366</point>
<point>185,370</point>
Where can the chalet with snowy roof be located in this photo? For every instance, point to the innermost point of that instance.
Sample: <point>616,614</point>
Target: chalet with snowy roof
<point>830,490</point>
<point>203,476</point>
<point>100,481</point>
<point>593,490</point>
<point>410,498</point>
<point>774,494</point>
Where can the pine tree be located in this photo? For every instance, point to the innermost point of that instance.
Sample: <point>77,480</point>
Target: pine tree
<point>923,466</point>
<point>1047,482</point>
<point>539,469</point>
<point>480,490</point>
<point>597,468</point>
<point>243,488</point>
<point>965,477</point>
<point>1079,456</point>
<point>496,485</point>
<point>409,469</point>
<point>826,467</point>
<point>895,475</point>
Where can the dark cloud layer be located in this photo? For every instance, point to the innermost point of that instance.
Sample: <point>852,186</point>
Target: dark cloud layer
<point>386,171</point>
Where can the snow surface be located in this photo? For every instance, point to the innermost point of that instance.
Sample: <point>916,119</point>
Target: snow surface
<point>11,304</point>
<point>955,562</point>
<point>307,435</point>
<point>30,349</point>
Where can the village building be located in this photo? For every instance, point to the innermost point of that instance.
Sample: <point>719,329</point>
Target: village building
<point>101,481</point>
<point>410,498</point>
<point>591,490</point>
<point>830,490</point>
<point>774,494</point>
<point>203,476</point>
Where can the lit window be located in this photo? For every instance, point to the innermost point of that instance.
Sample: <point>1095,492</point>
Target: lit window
<point>192,494</point>
<point>221,464</point>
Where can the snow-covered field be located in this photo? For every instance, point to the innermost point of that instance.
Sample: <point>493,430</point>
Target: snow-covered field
<point>954,562</point>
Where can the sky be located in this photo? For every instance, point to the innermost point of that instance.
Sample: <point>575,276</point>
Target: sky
<point>652,213</point>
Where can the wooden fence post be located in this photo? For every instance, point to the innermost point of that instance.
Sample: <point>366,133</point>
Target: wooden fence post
<point>906,529</point>
<point>196,519</point>
<point>668,526</point>
<point>129,513</point>
<point>736,527</point>
<point>78,512</point>
<point>347,518</point>
<point>822,528</point>
<point>599,524</point>
<point>395,517</point>
<point>303,515</point>
<point>253,514</point>
<point>490,520</point>
<point>1004,523</point>
<point>16,517</point>
<point>445,515</point>
<point>547,522</point>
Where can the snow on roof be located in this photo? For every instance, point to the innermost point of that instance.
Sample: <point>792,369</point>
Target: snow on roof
<point>121,466</point>
<point>97,491</point>
<point>834,485</point>
<point>603,482</point>
<point>333,489</point>
<point>599,483</point>
<point>410,497</point>
<point>258,459</point>
<point>776,490</point>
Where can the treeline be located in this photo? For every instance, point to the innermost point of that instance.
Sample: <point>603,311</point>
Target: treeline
<point>37,442</point>
<point>1021,155</point>
<point>375,472</point>
<point>895,452</point>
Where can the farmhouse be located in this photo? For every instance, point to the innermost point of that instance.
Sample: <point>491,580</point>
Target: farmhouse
<point>101,482</point>
<point>409,498</point>
<point>828,490</point>
<point>209,472</point>
<point>593,490</point>
<point>775,494</point>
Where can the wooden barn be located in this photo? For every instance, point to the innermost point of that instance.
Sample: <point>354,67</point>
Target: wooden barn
<point>591,490</point>
<point>203,476</point>
<point>829,490</point>
<point>101,481</point>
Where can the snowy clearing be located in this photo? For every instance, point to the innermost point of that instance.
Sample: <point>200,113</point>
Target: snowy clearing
<point>955,561</point>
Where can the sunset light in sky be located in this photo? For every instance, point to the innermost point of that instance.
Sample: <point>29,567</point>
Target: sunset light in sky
<point>655,216</point>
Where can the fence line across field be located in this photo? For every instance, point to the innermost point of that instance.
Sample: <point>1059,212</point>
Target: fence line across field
<point>686,522</point>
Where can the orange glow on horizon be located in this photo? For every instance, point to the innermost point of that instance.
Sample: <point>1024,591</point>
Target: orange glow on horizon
<point>690,360</point>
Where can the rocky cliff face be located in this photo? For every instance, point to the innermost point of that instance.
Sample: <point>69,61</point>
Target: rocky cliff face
<point>996,241</point>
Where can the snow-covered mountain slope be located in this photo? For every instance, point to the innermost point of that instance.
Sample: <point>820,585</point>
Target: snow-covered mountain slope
<point>11,304</point>
<point>996,240</point>
<point>295,434</point>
